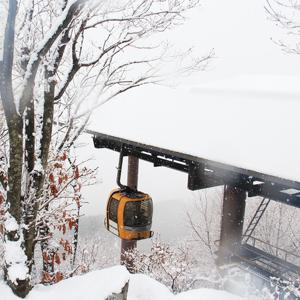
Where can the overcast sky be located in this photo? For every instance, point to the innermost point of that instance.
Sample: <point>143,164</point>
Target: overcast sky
<point>240,34</point>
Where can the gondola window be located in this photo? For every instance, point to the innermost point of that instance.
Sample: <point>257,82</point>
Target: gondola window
<point>113,211</point>
<point>138,213</point>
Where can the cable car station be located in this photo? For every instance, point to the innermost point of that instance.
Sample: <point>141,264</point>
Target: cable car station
<point>249,167</point>
<point>234,243</point>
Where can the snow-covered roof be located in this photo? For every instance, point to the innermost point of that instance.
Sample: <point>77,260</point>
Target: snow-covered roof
<point>250,122</point>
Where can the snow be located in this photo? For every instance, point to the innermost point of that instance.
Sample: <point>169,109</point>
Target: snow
<point>41,45</point>
<point>249,121</point>
<point>146,288</point>
<point>206,294</point>
<point>98,285</point>
<point>10,223</point>
<point>93,286</point>
<point>15,258</point>
<point>14,254</point>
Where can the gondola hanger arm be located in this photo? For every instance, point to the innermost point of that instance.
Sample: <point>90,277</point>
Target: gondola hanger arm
<point>119,174</point>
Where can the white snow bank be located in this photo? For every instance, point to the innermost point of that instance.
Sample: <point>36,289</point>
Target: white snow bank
<point>206,294</point>
<point>142,287</point>
<point>98,285</point>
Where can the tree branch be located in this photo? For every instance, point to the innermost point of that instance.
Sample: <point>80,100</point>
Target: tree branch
<point>62,24</point>
<point>6,65</point>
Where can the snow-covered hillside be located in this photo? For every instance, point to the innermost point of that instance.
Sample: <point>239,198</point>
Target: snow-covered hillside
<point>98,285</point>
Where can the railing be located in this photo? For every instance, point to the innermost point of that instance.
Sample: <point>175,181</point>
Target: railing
<point>275,250</point>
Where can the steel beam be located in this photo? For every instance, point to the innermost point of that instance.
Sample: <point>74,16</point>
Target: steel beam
<point>204,173</point>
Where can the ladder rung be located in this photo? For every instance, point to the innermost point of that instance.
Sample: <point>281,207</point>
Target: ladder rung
<point>254,219</point>
<point>263,207</point>
<point>250,228</point>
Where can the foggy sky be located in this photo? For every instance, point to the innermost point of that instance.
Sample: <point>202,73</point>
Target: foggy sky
<point>240,34</point>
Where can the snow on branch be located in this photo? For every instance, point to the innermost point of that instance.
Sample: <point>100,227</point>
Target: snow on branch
<point>43,47</point>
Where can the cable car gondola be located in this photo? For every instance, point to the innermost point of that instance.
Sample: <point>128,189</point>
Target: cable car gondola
<point>129,212</point>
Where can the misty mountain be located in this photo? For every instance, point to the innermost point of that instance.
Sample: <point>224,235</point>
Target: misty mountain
<point>169,222</point>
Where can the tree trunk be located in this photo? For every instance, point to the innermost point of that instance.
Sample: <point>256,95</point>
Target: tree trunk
<point>20,286</point>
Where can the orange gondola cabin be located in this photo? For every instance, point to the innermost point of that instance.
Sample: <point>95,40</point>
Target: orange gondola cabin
<point>129,214</point>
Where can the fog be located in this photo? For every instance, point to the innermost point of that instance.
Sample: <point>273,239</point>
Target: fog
<point>240,33</point>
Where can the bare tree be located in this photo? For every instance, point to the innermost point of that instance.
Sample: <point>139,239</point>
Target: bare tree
<point>168,265</point>
<point>205,219</point>
<point>55,56</point>
<point>286,15</point>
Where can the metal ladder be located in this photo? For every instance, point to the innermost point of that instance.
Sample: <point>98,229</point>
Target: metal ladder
<point>255,219</point>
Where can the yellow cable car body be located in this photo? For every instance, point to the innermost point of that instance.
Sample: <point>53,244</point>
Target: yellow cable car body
<point>129,214</point>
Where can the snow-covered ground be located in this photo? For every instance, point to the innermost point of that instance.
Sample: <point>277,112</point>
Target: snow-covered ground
<point>98,285</point>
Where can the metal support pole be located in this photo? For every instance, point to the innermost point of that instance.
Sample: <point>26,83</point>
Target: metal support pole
<point>234,203</point>
<point>132,182</point>
<point>132,173</point>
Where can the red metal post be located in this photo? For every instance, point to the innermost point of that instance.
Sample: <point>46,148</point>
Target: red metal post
<point>132,182</point>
